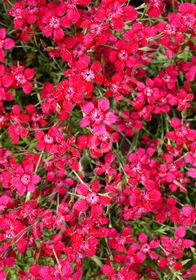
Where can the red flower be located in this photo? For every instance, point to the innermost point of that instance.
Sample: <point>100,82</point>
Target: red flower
<point>35,117</point>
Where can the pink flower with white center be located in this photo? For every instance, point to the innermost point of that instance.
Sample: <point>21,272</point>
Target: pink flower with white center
<point>54,22</point>
<point>117,13</point>
<point>182,133</point>
<point>19,14</point>
<point>117,241</point>
<point>5,44</point>
<point>24,179</point>
<point>155,8</point>
<point>146,248</point>
<point>53,141</point>
<point>129,123</point>
<point>97,116</point>
<point>177,243</point>
<point>90,75</point>
<point>22,78</point>
<point>90,198</point>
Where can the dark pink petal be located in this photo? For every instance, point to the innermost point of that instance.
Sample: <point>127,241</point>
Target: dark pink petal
<point>35,179</point>
<point>7,80</point>
<point>140,256</point>
<point>45,272</point>
<point>73,14</point>
<point>41,145</point>
<point>47,30</point>
<point>142,238</point>
<point>108,270</point>
<point>175,123</point>
<point>31,18</point>
<point>2,274</point>
<point>95,186</point>
<point>67,105</point>
<point>26,87</point>
<point>96,66</point>
<point>117,24</point>
<point>192,172</point>
<point>74,165</point>
<point>87,107</point>
<point>59,34</point>
<point>65,22</point>
<point>8,43</point>
<point>180,232</point>
<point>2,55</point>
<point>187,210</point>
<point>29,73</point>
<point>2,33</point>
<point>104,105</point>
<point>129,13</point>
<point>187,243</point>
<point>99,129</point>
<point>104,200</point>
<point>31,187</point>
<point>81,205</point>
<point>85,121</point>
<point>110,118</point>
<point>67,270</point>
<point>82,190</point>
<point>153,255</point>
<point>178,253</point>
<point>109,158</point>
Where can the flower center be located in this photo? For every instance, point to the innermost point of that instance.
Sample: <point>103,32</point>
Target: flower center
<point>20,79</point>
<point>35,117</point>
<point>48,139</point>
<point>122,55</point>
<point>25,179</point>
<point>88,75</point>
<point>54,22</point>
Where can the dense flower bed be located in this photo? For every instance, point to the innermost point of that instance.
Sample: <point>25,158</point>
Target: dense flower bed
<point>98,140</point>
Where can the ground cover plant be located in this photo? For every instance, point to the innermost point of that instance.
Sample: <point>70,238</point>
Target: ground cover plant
<point>98,139</point>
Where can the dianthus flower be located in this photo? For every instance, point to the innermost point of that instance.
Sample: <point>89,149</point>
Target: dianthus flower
<point>97,116</point>
<point>23,179</point>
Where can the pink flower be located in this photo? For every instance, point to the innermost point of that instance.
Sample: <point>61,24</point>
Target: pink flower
<point>97,116</point>
<point>177,243</point>
<point>92,198</point>
<point>117,12</point>
<point>23,78</point>
<point>24,179</point>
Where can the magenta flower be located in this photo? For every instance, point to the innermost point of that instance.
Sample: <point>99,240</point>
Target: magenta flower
<point>97,116</point>
<point>24,179</point>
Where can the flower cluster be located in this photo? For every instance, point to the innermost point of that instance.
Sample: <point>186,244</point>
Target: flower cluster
<point>98,140</point>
